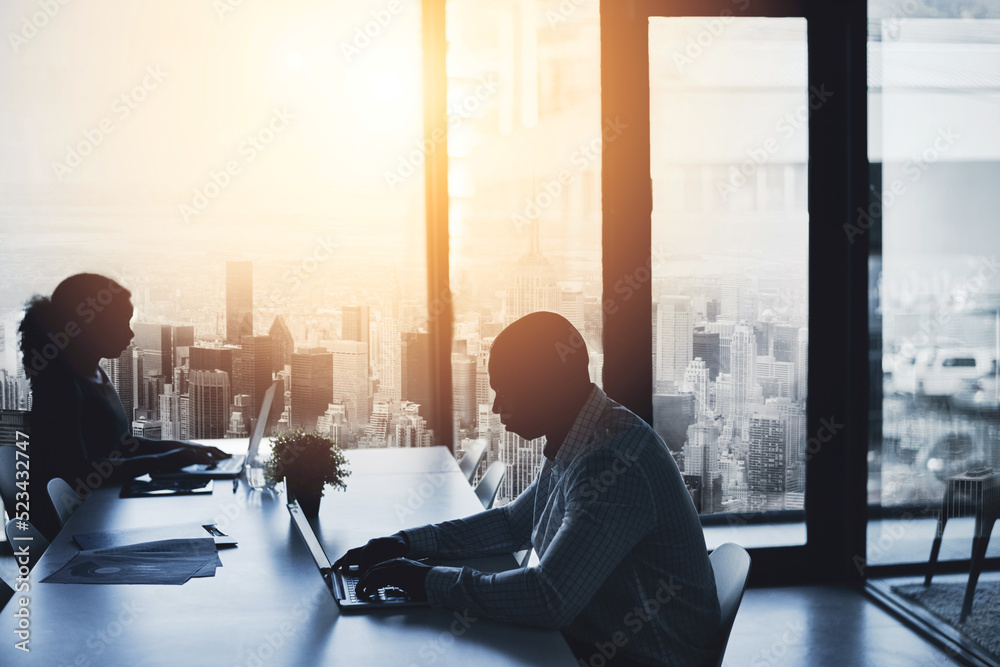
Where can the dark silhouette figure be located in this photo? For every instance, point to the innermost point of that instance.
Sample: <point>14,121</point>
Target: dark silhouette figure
<point>79,429</point>
<point>623,569</point>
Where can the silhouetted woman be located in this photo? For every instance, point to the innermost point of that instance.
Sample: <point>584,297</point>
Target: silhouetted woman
<point>79,429</point>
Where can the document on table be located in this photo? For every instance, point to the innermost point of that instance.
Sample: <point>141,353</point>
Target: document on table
<point>105,539</point>
<point>170,562</point>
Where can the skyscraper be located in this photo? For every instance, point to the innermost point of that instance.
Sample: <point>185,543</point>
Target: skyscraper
<point>282,344</point>
<point>121,372</point>
<point>239,301</point>
<point>696,382</point>
<point>415,385</point>
<point>389,361</point>
<point>706,347</point>
<point>463,382</point>
<point>209,393</point>
<point>743,369</point>
<point>766,460</point>
<point>674,340</point>
<point>156,343</point>
<point>355,323</point>
<point>255,362</point>
<point>350,380</point>
<point>312,386</point>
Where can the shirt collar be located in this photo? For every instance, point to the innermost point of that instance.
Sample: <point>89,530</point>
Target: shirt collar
<point>581,433</point>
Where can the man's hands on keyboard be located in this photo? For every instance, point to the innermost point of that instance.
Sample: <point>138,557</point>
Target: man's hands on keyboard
<point>402,573</point>
<point>377,550</point>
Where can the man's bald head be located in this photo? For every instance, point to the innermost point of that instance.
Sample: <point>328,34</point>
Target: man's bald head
<point>541,346</point>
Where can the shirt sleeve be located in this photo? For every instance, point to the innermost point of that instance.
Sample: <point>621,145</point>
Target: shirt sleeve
<point>601,525</point>
<point>499,530</point>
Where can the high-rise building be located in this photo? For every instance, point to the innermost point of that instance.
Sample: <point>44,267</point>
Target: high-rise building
<point>672,414</point>
<point>794,418</point>
<point>463,384</point>
<point>766,460</point>
<point>156,343</point>
<point>696,382</point>
<point>148,429</point>
<point>801,366</point>
<point>350,380</point>
<point>532,285</point>
<point>209,393</point>
<point>239,301</point>
<point>121,372</point>
<point>571,306</point>
<point>312,386</point>
<point>674,340</point>
<point>282,344</point>
<point>255,365</point>
<point>785,343</point>
<point>12,421</point>
<point>523,458</point>
<point>213,359</point>
<point>355,324</point>
<point>706,347</point>
<point>776,378</point>
<point>415,385</point>
<point>389,369</point>
<point>743,370</point>
<point>725,330</point>
<point>701,459</point>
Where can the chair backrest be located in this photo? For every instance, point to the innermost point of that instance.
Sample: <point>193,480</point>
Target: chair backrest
<point>6,593</point>
<point>21,533</point>
<point>64,499</point>
<point>471,459</point>
<point>8,488</point>
<point>731,565</point>
<point>489,485</point>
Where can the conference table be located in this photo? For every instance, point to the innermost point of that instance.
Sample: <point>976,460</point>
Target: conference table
<point>268,604</point>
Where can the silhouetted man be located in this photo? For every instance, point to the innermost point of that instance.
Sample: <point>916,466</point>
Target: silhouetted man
<point>623,570</point>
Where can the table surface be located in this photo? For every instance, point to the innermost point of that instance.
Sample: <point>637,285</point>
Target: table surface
<point>268,604</point>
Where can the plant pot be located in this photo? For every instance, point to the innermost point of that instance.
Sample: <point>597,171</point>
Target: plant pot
<point>308,499</point>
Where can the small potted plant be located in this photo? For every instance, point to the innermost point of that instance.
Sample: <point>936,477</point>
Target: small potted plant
<point>308,462</point>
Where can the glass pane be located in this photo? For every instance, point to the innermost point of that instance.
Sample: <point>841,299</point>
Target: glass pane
<point>248,171</point>
<point>934,463</point>
<point>525,183</point>
<point>935,147</point>
<point>729,109</point>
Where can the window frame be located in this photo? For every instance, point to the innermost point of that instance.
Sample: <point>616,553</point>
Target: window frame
<point>838,170</point>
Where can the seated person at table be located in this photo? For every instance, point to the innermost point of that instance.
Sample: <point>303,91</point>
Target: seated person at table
<point>79,429</point>
<point>623,568</point>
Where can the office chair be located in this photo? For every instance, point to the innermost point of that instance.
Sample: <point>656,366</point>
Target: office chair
<point>731,565</point>
<point>471,459</point>
<point>63,498</point>
<point>489,485</point>
<point>8,487</point>
<point>6,593</point>
<point>21,533</point>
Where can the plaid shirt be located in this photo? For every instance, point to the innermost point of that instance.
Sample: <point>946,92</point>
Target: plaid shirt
<point>623,566</point>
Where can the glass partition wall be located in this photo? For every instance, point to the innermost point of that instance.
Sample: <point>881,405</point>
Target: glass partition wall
<point>934,463</point>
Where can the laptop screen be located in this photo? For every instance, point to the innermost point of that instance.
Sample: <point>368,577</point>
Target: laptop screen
<point>309,537</point>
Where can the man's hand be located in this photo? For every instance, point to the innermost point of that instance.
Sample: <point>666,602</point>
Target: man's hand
<point>403,573</point>
<point>195,453</point>
<point>376,551</point>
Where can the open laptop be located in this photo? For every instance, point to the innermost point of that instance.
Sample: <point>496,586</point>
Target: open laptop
<point>342,584</point>
<point>232,467</point>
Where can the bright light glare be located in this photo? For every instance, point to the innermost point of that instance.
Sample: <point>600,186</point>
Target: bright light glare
<point>293,60</point>
<point>385,86</point>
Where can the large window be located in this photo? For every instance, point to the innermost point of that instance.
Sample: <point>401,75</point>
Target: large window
<point>934,146</point>
<point>246,170</point>
<point>729,110</point>
<point>525,144</point>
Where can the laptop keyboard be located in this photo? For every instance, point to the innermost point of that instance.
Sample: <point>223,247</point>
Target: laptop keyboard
<point>385,594</point>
